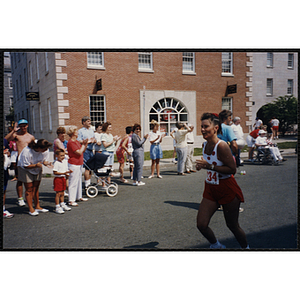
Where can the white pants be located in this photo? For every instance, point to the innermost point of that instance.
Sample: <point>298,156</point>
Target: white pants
<point>276,153</point>
<point>75,183</point>
<point>189,157</point>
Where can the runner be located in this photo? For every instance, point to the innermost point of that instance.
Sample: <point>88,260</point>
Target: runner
<point>220,185</point>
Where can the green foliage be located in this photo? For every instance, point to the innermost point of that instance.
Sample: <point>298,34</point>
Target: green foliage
<point>284,108</point>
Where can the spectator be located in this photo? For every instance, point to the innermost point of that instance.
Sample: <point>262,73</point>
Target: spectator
<point>30,163</point>
<point>251,142</point>
<point>181,145</point>
<point>238,132</point>
<point>190,151</point>
<point>228,136</point>
<point>59,144</point>
<point>155,138</point>
<point>108,144</point>
<point>129,158</point>
<point>22,138</point>
<point>98,135</point>
<point>275,127</point>
<point>86,132</point>
<point>61,173</point>
<point>258,123</point>
<point>122,149</point>
<point>75,162</point>
<point>138,154</point>
<point>6,164</point>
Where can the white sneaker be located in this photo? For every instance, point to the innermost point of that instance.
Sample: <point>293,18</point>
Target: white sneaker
<point>66,194</point>
<point>7,214</point>
<point>65,207</point>
<point>21,202</point>
<point>217,245</point>
<point>140,183</point>
<point>59,210</point>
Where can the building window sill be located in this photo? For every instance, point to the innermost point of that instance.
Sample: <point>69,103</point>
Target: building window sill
<point>270,67</point>
<point>95,67</point>
<point>227,75</point>
<point>146,71</point>
<point>269,95</point>
<point>188,73</point>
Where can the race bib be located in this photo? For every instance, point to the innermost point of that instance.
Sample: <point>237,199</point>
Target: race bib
<point>212,177</point>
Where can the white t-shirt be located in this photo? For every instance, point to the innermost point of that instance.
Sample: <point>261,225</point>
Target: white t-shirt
<point>180,137</point>
<point>275,122</point>
<point>30,157</point>
<point>238,131</point>
<point>261,140</point>
<point>98,139</point>
<point>154,135</point>
<point>60,167</point>
<point>258,123</point>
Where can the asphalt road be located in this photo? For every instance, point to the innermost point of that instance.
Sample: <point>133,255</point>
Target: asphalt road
<point>161,215</point>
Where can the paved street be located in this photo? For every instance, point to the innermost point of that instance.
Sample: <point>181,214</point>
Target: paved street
<point>161,214</point>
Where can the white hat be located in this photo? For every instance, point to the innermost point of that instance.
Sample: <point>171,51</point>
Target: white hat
<point>261,132</point>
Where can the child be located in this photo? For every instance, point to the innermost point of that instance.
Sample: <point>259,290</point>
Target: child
<point>123,147</point>
<point>61,172</point>
<point>129,158</point>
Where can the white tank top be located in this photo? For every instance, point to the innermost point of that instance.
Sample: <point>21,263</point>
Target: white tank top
<point>213,159</point>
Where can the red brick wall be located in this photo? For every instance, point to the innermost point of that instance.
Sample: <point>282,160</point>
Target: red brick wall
<point>121,83</point>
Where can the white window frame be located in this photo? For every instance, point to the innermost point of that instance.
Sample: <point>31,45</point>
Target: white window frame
<point>37,66</point>
<point>30,74</point>
<point>142,56</point>
<point>165,111</point>
<point>41,117</point>
<point>290,86</point>
<point>97,115</point>
<point>290,60</point>
<point>188,59</point>
<point>91,65</point>
<point>33,117</point>
<point>46,63</point>
<point>269,87</point>
<point>270,57</point>
<point>227,103</point>
<point>230,60</point>
<point>10,84</point>
<point>49,114</point>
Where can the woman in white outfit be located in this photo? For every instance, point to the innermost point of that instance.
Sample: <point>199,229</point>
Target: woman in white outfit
<point>75,162</point>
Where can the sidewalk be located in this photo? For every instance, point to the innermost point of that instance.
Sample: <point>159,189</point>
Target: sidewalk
<point>166,162</point>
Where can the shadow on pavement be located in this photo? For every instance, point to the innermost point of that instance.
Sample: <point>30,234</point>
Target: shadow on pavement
<point>151,245</point>
<point>184,204</point>
<point>280,238</point>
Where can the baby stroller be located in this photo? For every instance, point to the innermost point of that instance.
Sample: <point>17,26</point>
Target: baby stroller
<point>96,164</point>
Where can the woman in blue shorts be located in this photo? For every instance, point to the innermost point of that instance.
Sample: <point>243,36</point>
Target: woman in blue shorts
<point>155,138</point>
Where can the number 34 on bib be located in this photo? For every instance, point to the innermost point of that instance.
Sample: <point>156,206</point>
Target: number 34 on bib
<point>212,177</point>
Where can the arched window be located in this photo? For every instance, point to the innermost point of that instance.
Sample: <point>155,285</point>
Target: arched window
<point>167,112</point>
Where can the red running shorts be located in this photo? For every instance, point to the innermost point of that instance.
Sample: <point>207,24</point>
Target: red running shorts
<point>59,184</point>
<point>224,192</point>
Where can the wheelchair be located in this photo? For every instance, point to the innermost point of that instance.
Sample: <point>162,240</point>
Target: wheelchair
<point>263,156</point>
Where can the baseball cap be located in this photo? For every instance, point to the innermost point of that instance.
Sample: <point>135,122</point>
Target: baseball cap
<point>262,132</point>
<point>22,121</point>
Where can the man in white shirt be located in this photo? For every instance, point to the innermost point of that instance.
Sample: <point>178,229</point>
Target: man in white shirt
<point>257,123</point>
<point>238,131</point>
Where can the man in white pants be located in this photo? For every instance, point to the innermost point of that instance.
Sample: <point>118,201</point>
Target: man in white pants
<point>190,150</point>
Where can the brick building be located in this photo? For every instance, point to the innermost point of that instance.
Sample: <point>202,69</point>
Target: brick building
<point>135,87</point>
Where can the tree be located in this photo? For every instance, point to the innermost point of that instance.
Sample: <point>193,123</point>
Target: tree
<point>284,108</point>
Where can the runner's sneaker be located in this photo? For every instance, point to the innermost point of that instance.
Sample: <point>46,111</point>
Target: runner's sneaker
<point>59,210</point>
<point>7,214</point>
<point>64,206</point>
<point>66,194</point>
<point>217,245</point>
<point>141,183</point>
<point>21,202</point>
